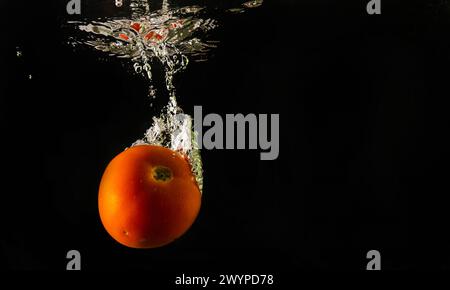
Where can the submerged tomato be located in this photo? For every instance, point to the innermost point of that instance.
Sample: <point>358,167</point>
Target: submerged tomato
<point>148,197</point>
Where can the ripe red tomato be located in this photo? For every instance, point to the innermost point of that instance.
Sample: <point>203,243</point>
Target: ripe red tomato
<point>148,197</point>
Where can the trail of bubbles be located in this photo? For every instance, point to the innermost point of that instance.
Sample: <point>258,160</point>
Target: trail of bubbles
<point>171,35</point>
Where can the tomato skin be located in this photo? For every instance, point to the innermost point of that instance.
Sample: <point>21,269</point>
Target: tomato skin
<point>140,211</point>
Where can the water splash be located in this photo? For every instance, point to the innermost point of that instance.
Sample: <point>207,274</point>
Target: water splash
<point>172,36</point>
<point>169,35</point>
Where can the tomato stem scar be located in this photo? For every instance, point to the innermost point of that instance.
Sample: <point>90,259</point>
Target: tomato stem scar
<point>162,174</point>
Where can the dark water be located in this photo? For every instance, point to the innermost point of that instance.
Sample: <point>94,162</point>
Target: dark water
<point>364,150</point>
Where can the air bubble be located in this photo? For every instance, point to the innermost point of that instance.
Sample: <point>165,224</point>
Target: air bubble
<point>137,68</point>
<point>19,52</point>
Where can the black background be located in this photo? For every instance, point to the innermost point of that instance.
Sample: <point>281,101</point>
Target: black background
<point>363,103</point>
